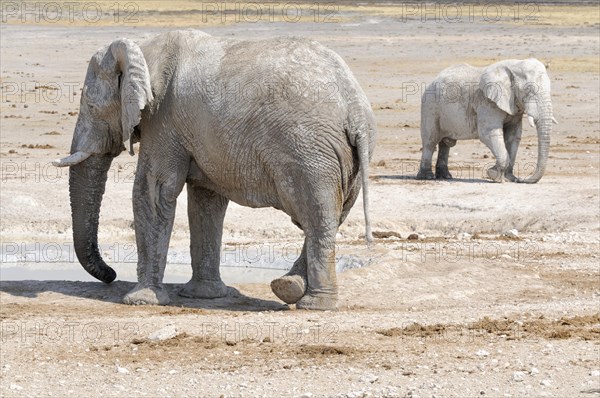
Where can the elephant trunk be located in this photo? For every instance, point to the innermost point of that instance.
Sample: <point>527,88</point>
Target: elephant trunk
<point>87,181</point>
<point>543,125</point>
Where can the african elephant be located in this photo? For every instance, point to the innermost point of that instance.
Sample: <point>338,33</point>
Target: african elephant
<point>277,123</point>
<point>465,102</point>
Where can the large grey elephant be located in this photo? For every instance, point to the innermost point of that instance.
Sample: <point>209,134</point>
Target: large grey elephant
<point>279,122</point>
<point>465,102</point>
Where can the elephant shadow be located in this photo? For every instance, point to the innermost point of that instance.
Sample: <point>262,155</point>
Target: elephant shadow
<point>114,293</point>
<point>451,180</point>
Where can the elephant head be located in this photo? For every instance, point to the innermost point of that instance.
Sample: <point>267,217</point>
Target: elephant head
<point>116,90</point>
<point>518,87</point>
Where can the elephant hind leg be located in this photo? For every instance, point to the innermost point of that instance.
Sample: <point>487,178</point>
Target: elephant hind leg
<point>206,211</point>
<point>441,165</point>
<point>291,287</point>
<point>315,200</point>
<point>429,134</point>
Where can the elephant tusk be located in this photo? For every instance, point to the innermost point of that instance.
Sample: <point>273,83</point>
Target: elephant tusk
<point>554,120</point>
<point>72,160</point>
<point>531,121</point>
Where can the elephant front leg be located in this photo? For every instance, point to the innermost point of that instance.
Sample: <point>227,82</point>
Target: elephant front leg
<point>291,287</point>
<point>493,137</point>
<point>206,211</point>
<point>154,201</point>
<point>512,139</point>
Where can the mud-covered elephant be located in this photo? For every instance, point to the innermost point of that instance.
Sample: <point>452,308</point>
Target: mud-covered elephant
<point>465,102</point>
<point>279,122</point>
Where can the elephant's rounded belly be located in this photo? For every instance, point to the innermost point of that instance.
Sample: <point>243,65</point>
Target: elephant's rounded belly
<point>245,190</point>
<point>253,199</point>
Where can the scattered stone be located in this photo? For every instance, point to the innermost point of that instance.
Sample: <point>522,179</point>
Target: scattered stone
<point>16,387</point>
<point>464,236</point>
<point>546,383</point>
<point>306,395</point>
<point>482,353</point>
<point>534,371</point>
<point>121,370</point>
<point>357,394</point>
<point>518,376</point>
<point>512,233</point>
<point>166,333</point>
<point>386,234</point>
<point>595,373</point>
<point>368,378</point>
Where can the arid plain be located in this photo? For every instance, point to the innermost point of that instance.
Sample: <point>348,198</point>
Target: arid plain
<point>468,308</point>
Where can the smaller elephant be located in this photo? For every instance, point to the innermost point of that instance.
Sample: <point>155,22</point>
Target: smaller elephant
<point>465,102</point>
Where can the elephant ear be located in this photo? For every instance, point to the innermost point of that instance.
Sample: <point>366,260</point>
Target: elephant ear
<point>496,84</point>
<point>136,90</point>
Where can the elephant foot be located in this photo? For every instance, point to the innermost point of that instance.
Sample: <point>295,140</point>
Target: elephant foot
<point>289,288</point>
<point>206,289</point>
<point>496,174</point>
<point>425,174</point>
<point>318,302</point>
<point>442,173</point>
<point>510,176</point>
<point>147,295</point>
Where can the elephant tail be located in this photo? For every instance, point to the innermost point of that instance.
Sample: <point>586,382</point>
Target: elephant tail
<point>361,133</point>
<point>362,146</point>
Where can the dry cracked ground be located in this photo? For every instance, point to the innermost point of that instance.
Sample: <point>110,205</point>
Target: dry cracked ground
<point>495,294</point>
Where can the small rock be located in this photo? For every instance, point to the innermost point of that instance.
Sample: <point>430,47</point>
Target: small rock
<point>546,383</point>
<point>534,371</point>
<point>595,373</point>
<point>172,371</point>
<point>368,378</point>
<point>413,237</point>
<point>512,233</point>
<point>119,369</point>
<point>518,376</point>
<point>464,236</point>
<point>16,387</point>
<point>482,353</point>
<point>166,333</point>
<point>306,395</point>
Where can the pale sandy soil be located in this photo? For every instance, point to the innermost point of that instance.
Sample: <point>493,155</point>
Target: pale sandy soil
<point>446,315</point>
